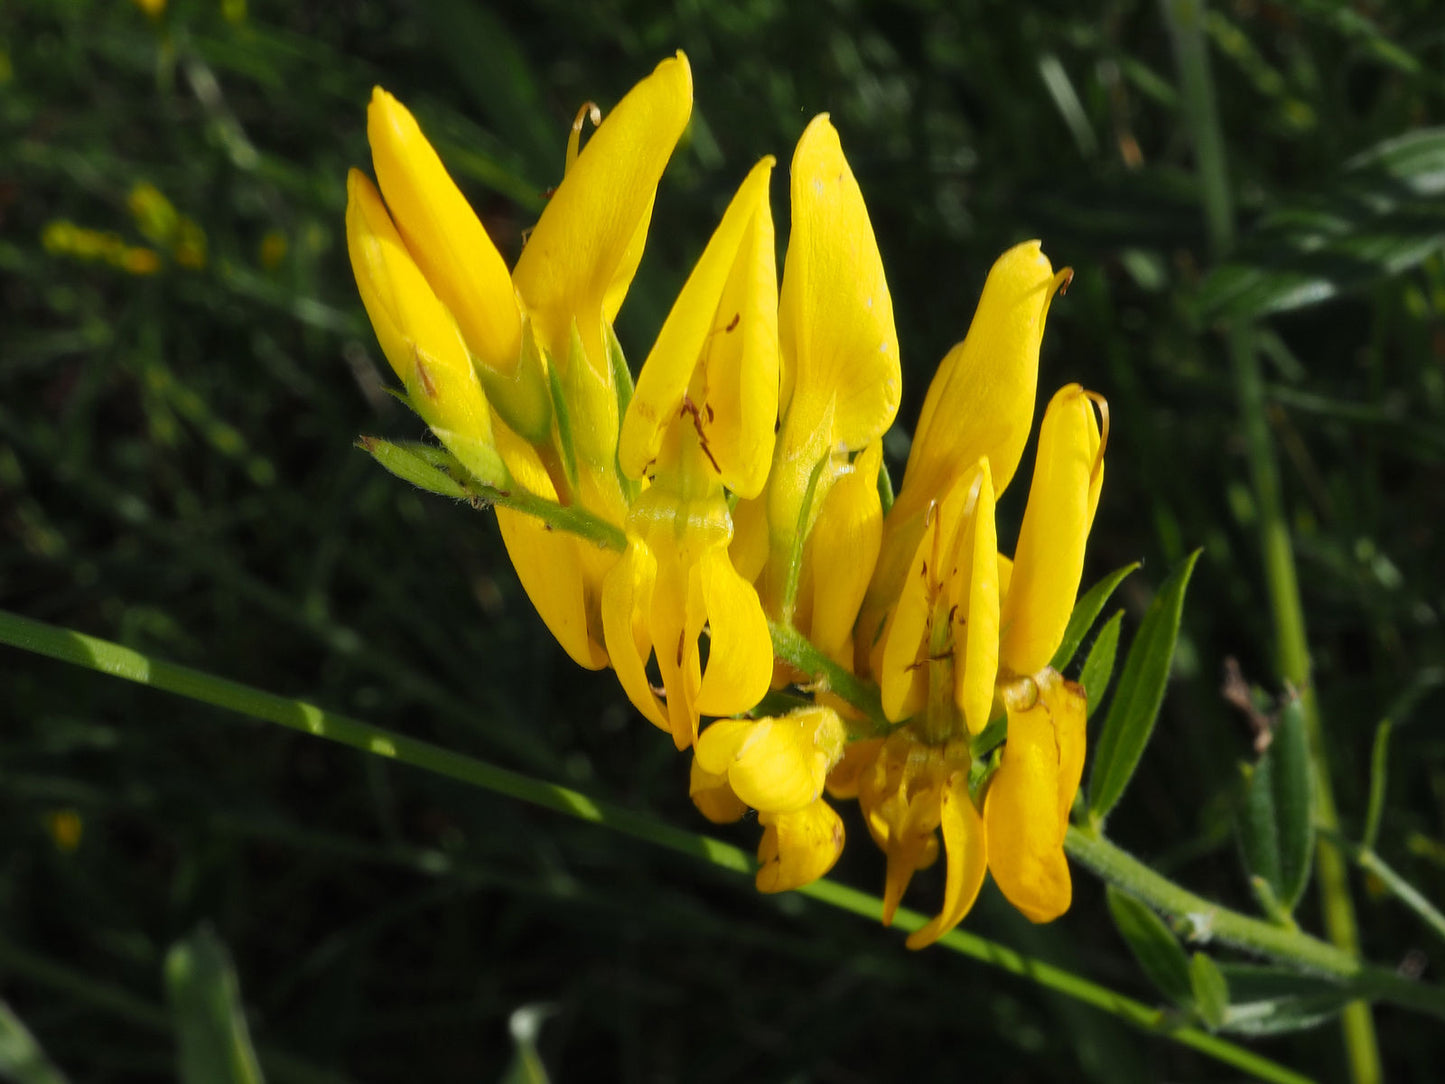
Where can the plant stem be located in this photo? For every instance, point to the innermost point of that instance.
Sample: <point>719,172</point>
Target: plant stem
<point>798,651</point>
<point>562,517</point>
<point>1203,920</point>
<point>1185,19</point>
<point>1401,889</point>
<point>121,662</point>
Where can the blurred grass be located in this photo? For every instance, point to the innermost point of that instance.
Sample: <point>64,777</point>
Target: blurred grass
<point>176,472</point>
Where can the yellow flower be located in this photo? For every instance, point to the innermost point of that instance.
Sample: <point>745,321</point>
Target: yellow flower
<point>840,391</point>
<point>956,634</point>
<point>700,422</point>
<point>547,322</point>
<point>778,766</point>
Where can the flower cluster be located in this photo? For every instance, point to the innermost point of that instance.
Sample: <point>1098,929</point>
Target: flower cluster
<point>744,470</point>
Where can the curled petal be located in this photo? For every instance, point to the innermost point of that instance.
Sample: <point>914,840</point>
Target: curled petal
<point>417,334</point>
<point>626,602</point>
<point>964,845</point>
<point>444,234</point>
<point>578,260</point>
<point>981,401</point>
<point>713,797</point>
<point>775,765</point>
<point>548,562</point>
<point>858,758</point>
<point>724,323</point>
<point>740,656</point>
<point>798,848</point>
<point>841,552</point>
<point>835,315</point>
<point>976,609</point>
<point>1027,808</point>
<point>1050,558</point>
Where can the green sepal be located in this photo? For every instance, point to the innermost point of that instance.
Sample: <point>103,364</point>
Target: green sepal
<point>414,463</point>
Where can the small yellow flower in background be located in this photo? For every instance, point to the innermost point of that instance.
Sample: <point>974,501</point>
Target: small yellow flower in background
<point>63,238</point>
<point>65,828</point>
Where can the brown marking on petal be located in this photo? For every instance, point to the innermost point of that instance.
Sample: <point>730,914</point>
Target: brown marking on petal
<point>423,376</point>
<point>733,322</point>
<point>681,645</point>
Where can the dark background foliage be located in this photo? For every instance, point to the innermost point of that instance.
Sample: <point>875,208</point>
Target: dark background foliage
<point>176,473</point>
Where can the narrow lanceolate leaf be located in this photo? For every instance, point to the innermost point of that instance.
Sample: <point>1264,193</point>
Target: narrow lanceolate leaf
<point>1276,829</point>
<point>1099,665</point>
<point>411,464</point>
<point>1136,701</point>
<point>1086,612</point>
<point>21,1058</point>
<point>1379,216</point>
<point>1154,946</point>
<point>1268,1000</point>
<point>1211,990</point>
<point>214,1046</point>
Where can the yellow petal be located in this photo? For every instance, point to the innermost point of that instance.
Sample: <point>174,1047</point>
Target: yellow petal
<point>903,671</point>
<point>749,547</point>
<point>740,655</point>
<point>964,844</point>
<point>1026,811</point>
<point>858,757</point>
<point>981,401</point>
<point>841,552</point>
<point>798,848</point>
<point>775,765</point>
<point>835,314</point>
<point>417,334</point>
<point>713,797</point>
<point>1049,561</point>
<point>724,321</point>
<point>444,235</point>
<point>626,605</point>
<point>576,261</point>
<point>976,609</point>
<point>548,562</point>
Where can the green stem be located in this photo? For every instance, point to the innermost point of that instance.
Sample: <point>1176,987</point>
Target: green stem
<point>1185,20</point>
<point>1205,920</point>
<point>1401,889</point>
<point>798,651</point>
<point>121,662</point>
<point>561,517</point>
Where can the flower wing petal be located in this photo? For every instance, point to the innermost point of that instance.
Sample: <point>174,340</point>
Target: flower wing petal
<point>444,234</point>
<point>965,845</point>
<point>1050,558</point>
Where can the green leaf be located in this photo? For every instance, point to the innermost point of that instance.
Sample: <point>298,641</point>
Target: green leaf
<point>1211,990</point>
<point>205,999</point>
<point>1099,665</point>
<point>1271,1000</point>
<point>1086,612</point>
<point>1154,946</point>
<point>1275,824</point>
<point>411,463</point>
<point>1379,216</point>
<point>21,1059</point>
<point>1136,701</point>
